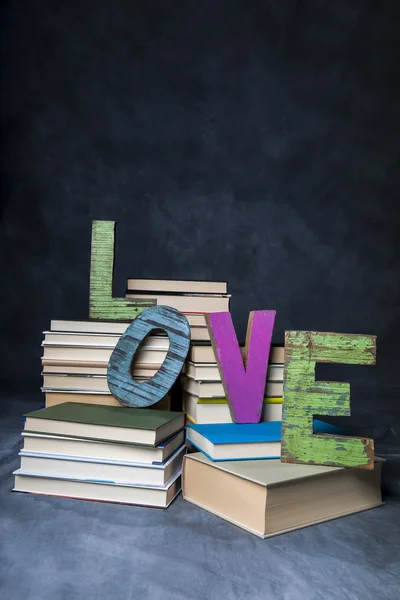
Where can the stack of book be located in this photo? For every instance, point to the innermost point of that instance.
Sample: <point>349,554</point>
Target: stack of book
<point>76,355</point>
<point>204,398</point>
<point>105,453</point>
<point>192,298</point>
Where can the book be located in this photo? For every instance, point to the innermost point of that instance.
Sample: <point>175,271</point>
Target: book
<point>109,423</point>
<point>177,286</point>
<point>195,319</point>
<point>54,397</point>
<point>268,497</point>
<point>210,389</point>
<point>80,382</point>
<point>97,327</point>
<point>55,369</point>
<point>204,353</point>
<point>210,372</point>
<point>197,303</point>
<point>89,355</point>
<point>202,410</point>
<point>125,452</point>
<point>233,441</point>
<point>116,329</point>
<point>199,334</point>
<point>90,469</point>
<point>158,497</point>
<point>94,340</point>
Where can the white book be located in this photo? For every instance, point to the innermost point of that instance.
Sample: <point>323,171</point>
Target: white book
<point>215,389</point>
<point>210,372</point>
<point>53,368</point>
<point>159,497</point>
<point>207,412</point>
<point>204,353</point>
<point>93,383</point>
<point>188,303</point>
<point>97,327</point>
<point>88,355</point>
<point>90,469</point>
<point>62,445</point>
<point>176,286</point>
<point>94,340</point>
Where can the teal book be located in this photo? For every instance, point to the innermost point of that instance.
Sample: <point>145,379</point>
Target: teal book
<point>234,441</point>
<point>244,441</point>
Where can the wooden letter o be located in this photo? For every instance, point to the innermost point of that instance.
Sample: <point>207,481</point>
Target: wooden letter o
<point>120,381</point>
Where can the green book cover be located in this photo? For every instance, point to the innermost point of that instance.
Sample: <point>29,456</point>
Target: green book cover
<point>113,416</point>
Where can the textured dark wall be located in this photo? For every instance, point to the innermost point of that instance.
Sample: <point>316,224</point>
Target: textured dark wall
<point>256,142</point>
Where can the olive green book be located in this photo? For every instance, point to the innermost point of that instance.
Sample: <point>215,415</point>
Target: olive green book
<point>110,423</point>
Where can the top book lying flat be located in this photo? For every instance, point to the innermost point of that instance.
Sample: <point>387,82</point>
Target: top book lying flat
<point>107,423</point>
<point>177,286</point>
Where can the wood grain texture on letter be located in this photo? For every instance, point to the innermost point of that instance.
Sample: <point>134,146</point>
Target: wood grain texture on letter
<point>243,379</point>
<point>304,397</point>
<point>102,304</point>
<point>120,381</point>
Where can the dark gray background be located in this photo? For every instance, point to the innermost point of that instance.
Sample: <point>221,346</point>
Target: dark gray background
<point>253,142</point>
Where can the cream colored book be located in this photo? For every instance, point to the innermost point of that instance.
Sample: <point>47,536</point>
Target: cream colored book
<point>199,334</point>
<point>92,383</point>
<point>89,469</point>
<point>199,303</point>
<point>53,368</point>
<point>210,389</point>
<point>195,319</point>
<point>208,412</point>
<point>210,372</point>
<point>54,397</point>
<point>61,445</point>
<point>159,497</point>
<point>94,340</point>
<point>97,327</point>
<point>93,355</point>
<point>204,353</point>
<point>268,497</point>
<point>177,286</point>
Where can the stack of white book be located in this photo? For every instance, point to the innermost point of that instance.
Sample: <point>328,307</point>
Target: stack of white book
<point>91,452</point>
<point>193,298</point>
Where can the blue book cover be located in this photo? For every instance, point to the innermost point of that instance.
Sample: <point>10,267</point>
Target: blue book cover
<point>245,433</point>
<point>240,433</point>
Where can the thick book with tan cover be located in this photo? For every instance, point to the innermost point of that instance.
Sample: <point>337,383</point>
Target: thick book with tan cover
<point>268,497</point>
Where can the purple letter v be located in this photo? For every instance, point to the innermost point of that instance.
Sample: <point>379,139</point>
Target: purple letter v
<point>244,378</point>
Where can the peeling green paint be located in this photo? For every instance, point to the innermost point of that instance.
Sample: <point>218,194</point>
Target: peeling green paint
<point>304,397</point>
<point>102,304</point>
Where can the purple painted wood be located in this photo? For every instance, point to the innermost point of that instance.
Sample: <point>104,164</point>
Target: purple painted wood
<point>243,379</point>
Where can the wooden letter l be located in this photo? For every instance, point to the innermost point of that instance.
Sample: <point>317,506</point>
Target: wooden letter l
<point>244,378</point>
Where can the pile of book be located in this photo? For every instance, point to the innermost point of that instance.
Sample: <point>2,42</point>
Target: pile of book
<point>204,398</point>
<point>192,298</point>
<point>105,453</point>
<point>76,355</point>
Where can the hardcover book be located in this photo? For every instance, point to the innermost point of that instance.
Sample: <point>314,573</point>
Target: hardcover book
<point>104,491</point>
<point>268,498</point>
<point>232,441</point>
<point>124,452</point>
<point>110,423</point>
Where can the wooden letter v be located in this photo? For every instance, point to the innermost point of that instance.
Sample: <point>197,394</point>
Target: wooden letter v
<point>244,379</point>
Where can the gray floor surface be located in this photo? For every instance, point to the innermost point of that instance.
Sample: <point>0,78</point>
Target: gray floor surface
<point>61,549</point>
